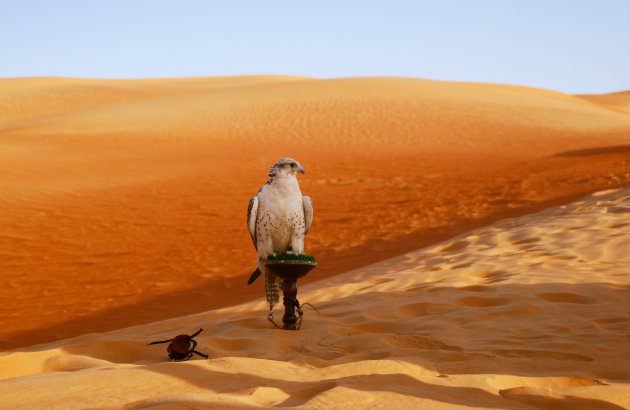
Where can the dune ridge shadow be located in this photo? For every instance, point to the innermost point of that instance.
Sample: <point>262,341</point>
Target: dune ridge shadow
<point>616,149</point>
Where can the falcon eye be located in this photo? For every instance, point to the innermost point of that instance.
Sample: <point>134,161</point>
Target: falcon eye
<point>293,165</point>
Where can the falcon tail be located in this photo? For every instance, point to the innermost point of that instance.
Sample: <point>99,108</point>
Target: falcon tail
<point>255,274</point>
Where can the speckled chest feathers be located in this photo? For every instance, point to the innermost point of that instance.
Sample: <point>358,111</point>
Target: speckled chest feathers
<point>280,214</point>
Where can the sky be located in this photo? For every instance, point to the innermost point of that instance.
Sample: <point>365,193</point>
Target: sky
<point>578,46</point>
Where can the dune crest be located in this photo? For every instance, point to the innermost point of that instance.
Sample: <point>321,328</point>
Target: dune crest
<point>619,101</point>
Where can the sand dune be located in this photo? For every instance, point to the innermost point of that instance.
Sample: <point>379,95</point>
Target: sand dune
<point>527,313</point>
<point>615,101</point>
<point>123,201</point>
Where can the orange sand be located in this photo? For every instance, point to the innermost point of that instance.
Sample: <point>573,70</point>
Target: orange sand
<point>123,202</point>
<point>527,313</point>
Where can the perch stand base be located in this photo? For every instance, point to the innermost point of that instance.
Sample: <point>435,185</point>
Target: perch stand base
<point>290,271</point>
<point>289,290</point>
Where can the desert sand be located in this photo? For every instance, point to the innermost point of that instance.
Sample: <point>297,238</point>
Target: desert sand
<point>123,202</point>
<point>527,313</point>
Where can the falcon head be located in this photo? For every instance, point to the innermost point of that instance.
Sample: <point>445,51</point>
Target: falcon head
<point>285,167</point>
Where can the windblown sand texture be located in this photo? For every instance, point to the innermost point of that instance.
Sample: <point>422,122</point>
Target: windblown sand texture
<point>123,202</point>
<point>528,313</point>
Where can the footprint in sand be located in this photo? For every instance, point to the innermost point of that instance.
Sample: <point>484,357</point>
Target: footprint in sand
<point>455,246</point>
<point>493,276</point>
<point>566,298</point>
<point>616,210</point>
<point>473,301</point>
<point>476,288</point>
<point>421,309</point>
<point>72,363</point>
<point>542,354</point>
<point>539,397</point>
<point>525,241</point>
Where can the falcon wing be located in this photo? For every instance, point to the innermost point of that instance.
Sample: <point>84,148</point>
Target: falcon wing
<point>252,211</point>
<point>307,204</point>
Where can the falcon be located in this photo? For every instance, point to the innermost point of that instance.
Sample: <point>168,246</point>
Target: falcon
<point>278,219</point>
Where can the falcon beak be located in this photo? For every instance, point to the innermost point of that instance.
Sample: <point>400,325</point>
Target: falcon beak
<point>300,170</point>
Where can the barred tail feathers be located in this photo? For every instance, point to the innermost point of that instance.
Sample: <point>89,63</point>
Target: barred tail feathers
<point>272,288</point>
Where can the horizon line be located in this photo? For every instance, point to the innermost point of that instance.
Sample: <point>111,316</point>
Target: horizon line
<point>305,77</point>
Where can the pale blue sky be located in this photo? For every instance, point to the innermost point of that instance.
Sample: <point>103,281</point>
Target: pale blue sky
<point>574,46</point>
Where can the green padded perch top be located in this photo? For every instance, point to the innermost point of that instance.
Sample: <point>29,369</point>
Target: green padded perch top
<point>290,265</point>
